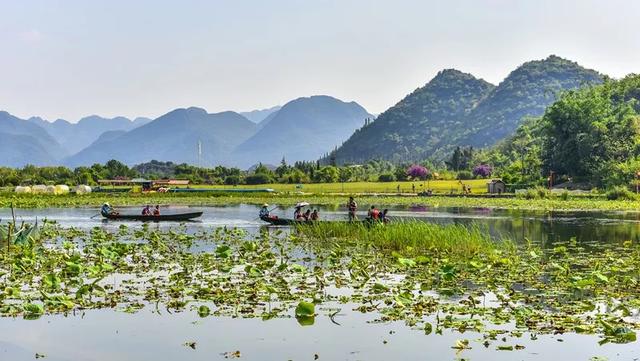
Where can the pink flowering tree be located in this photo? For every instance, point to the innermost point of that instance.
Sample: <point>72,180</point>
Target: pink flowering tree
<point>417,171</point>
<point>482,170</point>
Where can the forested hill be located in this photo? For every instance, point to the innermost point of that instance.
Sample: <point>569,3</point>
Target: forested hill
<point>526,92</point>
<point>457,109</point>
<point>424,120</point>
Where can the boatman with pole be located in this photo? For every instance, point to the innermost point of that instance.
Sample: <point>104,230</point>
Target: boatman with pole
<point>352,207</point>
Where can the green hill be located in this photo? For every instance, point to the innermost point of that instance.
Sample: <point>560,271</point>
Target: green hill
<point>458,109</point>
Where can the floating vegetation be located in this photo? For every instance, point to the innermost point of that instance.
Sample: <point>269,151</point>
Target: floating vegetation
<point>433,278</point>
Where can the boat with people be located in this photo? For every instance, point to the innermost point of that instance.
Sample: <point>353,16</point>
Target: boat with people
<point>147,215</point>
<point>374,216</point>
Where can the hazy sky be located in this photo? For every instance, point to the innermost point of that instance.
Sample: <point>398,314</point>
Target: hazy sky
<point>68,59</point>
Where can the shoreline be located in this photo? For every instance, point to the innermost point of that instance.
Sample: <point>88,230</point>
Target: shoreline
<point>553,203</point>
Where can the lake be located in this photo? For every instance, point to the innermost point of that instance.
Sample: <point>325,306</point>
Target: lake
<point>146,335</point>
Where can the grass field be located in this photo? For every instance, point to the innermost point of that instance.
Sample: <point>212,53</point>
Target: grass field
<point>478,186</point>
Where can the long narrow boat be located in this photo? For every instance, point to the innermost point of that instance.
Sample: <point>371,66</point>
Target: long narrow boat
<point>161,217</point>
<point>290,222</point>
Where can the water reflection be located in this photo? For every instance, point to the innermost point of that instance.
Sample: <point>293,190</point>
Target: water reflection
<point>544,227</point>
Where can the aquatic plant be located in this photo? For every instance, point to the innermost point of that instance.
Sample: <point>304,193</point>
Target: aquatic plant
<point>432,277</point>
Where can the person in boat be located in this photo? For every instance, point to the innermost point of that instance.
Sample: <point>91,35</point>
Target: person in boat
<point>374,213</point>
<point>314,215</point>
<point>383,216</point>
<point>156,211</point>
<point>264,211</point>
<point>297,213</point>
<point>106,209</point>
<point>146,211</point>
<point>352,207</point>
<point>307,215</point>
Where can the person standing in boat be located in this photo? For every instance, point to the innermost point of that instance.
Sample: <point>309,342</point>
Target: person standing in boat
<point>352,207</point>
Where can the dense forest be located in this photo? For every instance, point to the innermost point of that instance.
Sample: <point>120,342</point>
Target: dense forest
<point>590,137</point>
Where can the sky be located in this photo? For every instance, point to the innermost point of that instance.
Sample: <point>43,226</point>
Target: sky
<point>69,59</point>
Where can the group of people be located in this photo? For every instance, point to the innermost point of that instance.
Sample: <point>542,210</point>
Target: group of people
<point>299,215</point>
<point>106,210</point>
<point>373,214</point>
<point>146,211</point>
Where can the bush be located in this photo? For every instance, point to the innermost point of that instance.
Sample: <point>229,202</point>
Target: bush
<point>620,193</point>
<point>232,180</point>
<point>464,175</point>
<point>542,192</point>
<point>386,177</point>
<point>259,178</point>
<point>564,195</point>
<point>536,193</point>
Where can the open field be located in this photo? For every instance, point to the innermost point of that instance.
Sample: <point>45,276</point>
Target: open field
<point>478,186</point>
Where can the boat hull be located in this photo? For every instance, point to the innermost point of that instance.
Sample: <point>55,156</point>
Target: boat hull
<point>291,222</point>
<point>159,218</point>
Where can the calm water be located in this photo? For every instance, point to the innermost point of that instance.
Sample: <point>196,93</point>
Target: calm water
<point>112,335</point>
<point>538,226</point>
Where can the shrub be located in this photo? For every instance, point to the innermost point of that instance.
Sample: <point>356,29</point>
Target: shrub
<point>564,195</point>
<point>386,177</point>
<point>535,193</point>
<point>259,178</point>
<point>620,193</point>
<point>542,192</point>
<point>464,175</point>
<point>232,180</point>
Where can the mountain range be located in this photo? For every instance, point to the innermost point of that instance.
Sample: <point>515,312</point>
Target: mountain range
<point>76,136</point>
<point>453,109</point>
<point>458,109</point>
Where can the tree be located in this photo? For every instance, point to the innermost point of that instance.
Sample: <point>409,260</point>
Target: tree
<point>460,159</point>
<point>417,172</point>
<point>328,174</point>
<point>482,170</point>
<point>589,131</point>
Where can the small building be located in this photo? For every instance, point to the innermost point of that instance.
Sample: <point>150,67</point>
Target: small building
<point>496,186</point>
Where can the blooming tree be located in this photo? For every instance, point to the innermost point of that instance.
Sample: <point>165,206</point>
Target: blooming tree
<point>482,170</point>
<point>417,172</point>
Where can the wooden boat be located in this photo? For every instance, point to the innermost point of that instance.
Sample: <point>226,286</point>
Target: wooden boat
<point>290,222</point>
<point>152,218</point>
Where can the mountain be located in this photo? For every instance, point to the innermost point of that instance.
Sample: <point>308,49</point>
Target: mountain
<point>424,120</point>
<point>76,136</point>
<point>108,136</point>
<point>303,129</point>
<point>258,116</point>
<point>23,142</point>
<point>457,109</point>
<point>173,137</point>
<point>526,92</point>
